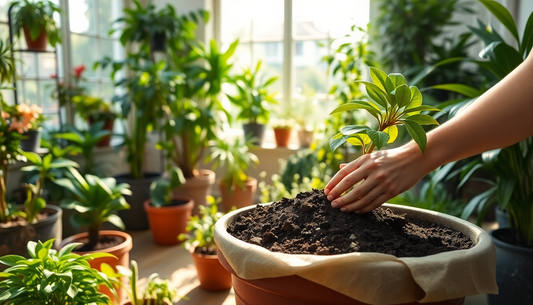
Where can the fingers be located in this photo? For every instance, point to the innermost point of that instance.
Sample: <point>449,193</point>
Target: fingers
<point>341,175</point>
<point>354,195</point>
<point>364,204</point>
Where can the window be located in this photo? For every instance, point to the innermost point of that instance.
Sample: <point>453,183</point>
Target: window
<point>86,40</point>
<point>260,25</point>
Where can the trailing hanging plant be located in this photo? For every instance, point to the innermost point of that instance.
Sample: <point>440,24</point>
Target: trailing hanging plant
<point>392,103</point>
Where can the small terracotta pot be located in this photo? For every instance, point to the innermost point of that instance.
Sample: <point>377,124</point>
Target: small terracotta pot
<point>121,252</point>
<point>283,136</point>
<point>39,44</point>
<point>167,222</point>
<point>108,125</point>
<point>305,137</point>
<point>197,188</point>
<point>210,272</point>
<point>239,198</point>
<point>147,302</point>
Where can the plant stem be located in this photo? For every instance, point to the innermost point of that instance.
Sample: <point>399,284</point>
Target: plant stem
<point>94,235</point>
<point>3,203</point>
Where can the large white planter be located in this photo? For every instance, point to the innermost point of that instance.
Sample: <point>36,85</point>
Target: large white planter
<point>372,278</point>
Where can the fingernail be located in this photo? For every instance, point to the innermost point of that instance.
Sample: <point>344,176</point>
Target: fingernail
<point>326,191</point>
<point>343,209</point>
<point>330,197</point>
<point>334,204</point>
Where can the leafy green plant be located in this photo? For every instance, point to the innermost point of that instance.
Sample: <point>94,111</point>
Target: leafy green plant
<point>512,165</point>
<point>392,103</point>
<point>157,291</point>
<point>37,16</point>
<point>84,142</point>
<point>96,199</point>
<point>52,277</point>
<point>160,190</point>
<point>235,158</point>
<point>201,228</point>
<point>7,63</point>
<point>41,170</point>
<point>92,108</point>
<point>252,97</point>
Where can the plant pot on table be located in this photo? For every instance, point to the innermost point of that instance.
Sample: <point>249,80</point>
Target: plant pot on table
<point>283,136</point>
<point>197,188</point>
<point>14,239</point>
<point>121,250</point>
<point>169,221</point>
<point>39,44</point>
<point>135,217</point>
<point>263,277</point>
<point>239,197</point>
<point>305,137</point>
<point>254,130</point>
<point>32,140</point>
<point>514,270</point>
<point>212,275</point>
<point>108,125</point>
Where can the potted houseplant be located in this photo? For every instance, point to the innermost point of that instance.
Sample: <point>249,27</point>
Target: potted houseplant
<point>253,99</point>
<point>66,92</point>
<point>237,189</point>
<point>94,110</point>
<point>156,292</point>
<point>97,200</point>
<point>331,279</point>
<point>52,277</point>
<point>511,184</point>
<point>36,19</point>
<point>201,244</point>
<point>167,214</point>
<point>28,120</point>
<point>282,132</point>
<point>197,107</point>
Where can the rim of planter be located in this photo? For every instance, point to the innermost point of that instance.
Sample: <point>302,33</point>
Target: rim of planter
<point>507,246</point>
<point>482,252</point>
<point>120,248</point>
<point>188,204</point>
<point>51,218</point>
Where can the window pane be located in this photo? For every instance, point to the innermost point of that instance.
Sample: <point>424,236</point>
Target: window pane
<point>271,53</point>
<point>241,58</point>
<point>84,53</point>
<point>90,88</point>
<point>4,32</point>
<point>82,16</point>
<point>49,104</point>
<point>47,65</point>
<point>236,20</point>
<point>309,18</point>
<point>28,92</point>
<point>267,19</point>
<point>4,7</point>
<point>26,64</point>
<point>345,13</point>
<point>310,71</point>
<point>108,12</point>
<point>113,49</point>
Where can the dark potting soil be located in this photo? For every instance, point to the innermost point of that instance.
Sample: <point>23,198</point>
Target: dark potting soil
<point>174,203</point>
<point>105,242</point>
<point>308,224</point>
<point>206,250</point>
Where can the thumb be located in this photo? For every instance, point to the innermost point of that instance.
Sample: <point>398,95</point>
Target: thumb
<point>343,165</point>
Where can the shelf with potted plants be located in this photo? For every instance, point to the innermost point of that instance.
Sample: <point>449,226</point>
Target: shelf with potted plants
<point>35,18</point>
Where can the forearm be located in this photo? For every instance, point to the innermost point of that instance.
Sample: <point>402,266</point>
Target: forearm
<point>500,117</point>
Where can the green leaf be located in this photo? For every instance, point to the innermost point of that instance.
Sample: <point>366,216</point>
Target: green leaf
<point>527,42</point>
<point>379,78</point>
<point>68,249</point>
<point>416,97</point>
<point>11,260</point>
<point>63,163</point>
<point>353,105</point>
<point>32,157</point>
<point>376,93</point>
<point>465,90</point>
<point>397,80</point>
<point>426,71</point>
<point>420,108</point>
<point>117,221</point>
<point>98,255</point>
<point>353,129</point>
<point>177,178</point>
<point>423,119</point>
<point>392,131</point>
<point>402,95</point>
<point>337,141</point>
<point>31,248</point>
<point>503,15</point>
<point>505,188</point>
<point>477,200</point>
<point>379,138</point>
<point>417,133</point>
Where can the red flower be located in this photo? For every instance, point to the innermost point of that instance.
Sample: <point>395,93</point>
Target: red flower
<point>53,76</point>
<point>79,70</point>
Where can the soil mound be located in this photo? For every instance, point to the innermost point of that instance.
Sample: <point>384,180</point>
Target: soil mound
<point>308,225</point>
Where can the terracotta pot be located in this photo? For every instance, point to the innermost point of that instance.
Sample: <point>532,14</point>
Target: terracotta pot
<point>167,222</point>
<point>108,125</point>
<point>147,302</point>
<point>39,44</point>
<point>292,288</point>
<point>210,272</point>
<point>283,136</point>
<point>305,137</point>
<point>121,252</point>
<point>239,197</point>
<point>197,188</point>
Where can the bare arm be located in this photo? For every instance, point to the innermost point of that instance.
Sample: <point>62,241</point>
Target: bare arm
<point>500,117</point>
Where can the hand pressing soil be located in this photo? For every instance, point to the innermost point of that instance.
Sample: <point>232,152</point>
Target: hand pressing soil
<point>308,225</point>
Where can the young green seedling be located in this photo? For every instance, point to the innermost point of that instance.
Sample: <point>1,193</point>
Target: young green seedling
<point>392,102</point>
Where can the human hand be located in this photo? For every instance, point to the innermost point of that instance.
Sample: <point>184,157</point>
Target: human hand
<point>383,175</point>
